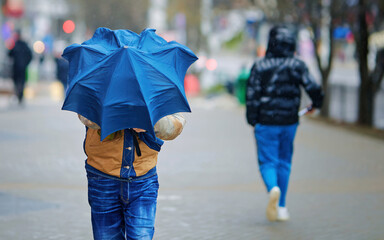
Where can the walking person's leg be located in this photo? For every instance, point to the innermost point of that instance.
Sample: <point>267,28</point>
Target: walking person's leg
<point>284,170</point>
<point>267,140</point>
<point>141,211</point>
<point>19,84</point>
<point>21,90</point>
<point>15,85</point>
<point>106,208</point>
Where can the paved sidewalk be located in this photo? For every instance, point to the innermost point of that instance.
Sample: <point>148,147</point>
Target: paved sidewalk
<point>210,187</point>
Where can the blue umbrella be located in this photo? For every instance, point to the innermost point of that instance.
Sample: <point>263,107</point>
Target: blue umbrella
<point>119,79</point>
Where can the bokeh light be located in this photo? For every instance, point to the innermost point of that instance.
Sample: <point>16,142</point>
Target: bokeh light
<point>69,26</point>
<point>39,47</point>
<point>211,64</point>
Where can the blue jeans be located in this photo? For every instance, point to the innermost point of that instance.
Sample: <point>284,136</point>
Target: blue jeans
<point>122,209</point>
<point>274,151</point>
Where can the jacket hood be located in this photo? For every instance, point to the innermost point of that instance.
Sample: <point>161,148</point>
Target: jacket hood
<point>282,42</point>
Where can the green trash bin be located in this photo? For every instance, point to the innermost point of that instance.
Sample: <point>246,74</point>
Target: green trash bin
<point>241,85</point>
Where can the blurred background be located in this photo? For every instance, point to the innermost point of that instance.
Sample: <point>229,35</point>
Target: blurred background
<point>210,187</point>
<point>341,40</point>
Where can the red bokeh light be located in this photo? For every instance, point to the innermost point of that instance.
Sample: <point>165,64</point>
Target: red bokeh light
<point>69,26</point>
<point>191,85</point>
<point>13,8</point>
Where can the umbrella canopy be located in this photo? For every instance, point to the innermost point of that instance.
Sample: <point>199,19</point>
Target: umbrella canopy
<point>119,79</point>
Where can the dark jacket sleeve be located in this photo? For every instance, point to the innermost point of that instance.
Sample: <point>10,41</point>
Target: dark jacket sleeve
<point>313,89</point>
<point>253,96</point>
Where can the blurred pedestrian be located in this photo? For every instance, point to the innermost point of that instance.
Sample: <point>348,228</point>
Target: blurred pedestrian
<point>22,56</point>
<point>272,105</point>
<point>62,66</point>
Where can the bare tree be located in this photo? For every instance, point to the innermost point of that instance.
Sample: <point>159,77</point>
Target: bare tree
<point>319,16</point>
<point>357,16</point>
<point>365,24</point>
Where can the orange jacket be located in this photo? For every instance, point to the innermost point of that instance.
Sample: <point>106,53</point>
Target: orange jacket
<point>118,156</point>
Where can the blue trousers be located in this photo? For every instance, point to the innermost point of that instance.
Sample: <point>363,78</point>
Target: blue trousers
<point>274,151</point>
<point>122,209</point>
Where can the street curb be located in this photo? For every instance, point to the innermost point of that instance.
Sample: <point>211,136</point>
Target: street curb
<point>353,127</point>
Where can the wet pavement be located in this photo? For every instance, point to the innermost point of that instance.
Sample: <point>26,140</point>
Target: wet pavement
<point>210,187</point>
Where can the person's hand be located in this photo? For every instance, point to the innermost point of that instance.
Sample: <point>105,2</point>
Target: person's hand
<point>310,109</point>
<point>139,130</point>
<point>88,122</point>
<point>169,127</point>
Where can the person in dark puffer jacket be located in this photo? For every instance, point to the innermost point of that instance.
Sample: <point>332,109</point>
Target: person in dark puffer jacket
<point>272,105</point>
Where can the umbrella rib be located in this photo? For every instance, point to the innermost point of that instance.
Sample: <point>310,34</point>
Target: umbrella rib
<point>146,104</point>
<point>182,97</point>
<point>77,47</point>
<point>134,72</point>
<point>154,67</point>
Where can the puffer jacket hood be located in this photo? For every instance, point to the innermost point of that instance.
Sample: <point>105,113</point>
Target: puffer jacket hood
<point>282,43</point>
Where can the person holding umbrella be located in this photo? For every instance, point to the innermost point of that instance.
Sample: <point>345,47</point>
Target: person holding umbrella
<point>272,105</point>
<point>128,91</point>
<point>124,208</point>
